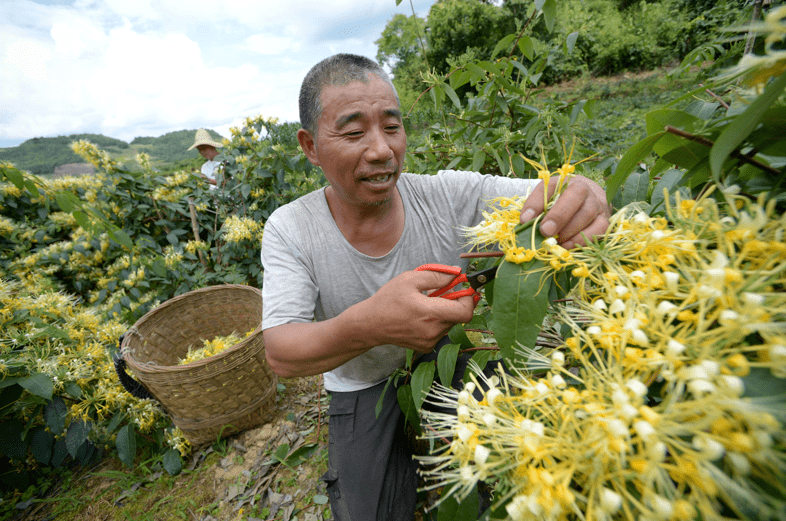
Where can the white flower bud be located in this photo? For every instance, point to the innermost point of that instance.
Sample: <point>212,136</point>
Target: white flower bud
<point>733,384</point>
<point>617,306</point>
<point>712,367</point>
<point>662,506</point>
<point>464,433</point>
<point>739,462</point>
<point>541,388</point>
<point>532,427</point>
<point>481,454</point>
<point>644,429</point>
<point>489,419</point>
<point>617,427</point>
<point>610,501</point>
<point>657,235</point>
<point>657,451</point>
<point>558,382</point>
<point>463,397</point>
<point>666,308</point>
<point>753,299</point>
<point>619,397</point>
<point>492,395</point>
<point>469,387</point>
<point>594,330</point>
<point>700,387</point>
<point>640,337</point>
<point>712,449</point>
<point>550,242</point>
<point>462,412</point>
<point>628,411</point>
<point>466,475</point>
<point>599,304</point>
<point>728,317</point>
<point>621,291</point>
<point>637,387</point>
<point>558,358</point>
<point>674,348</point>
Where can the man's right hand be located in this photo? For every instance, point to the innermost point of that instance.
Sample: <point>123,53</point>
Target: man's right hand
<point>399,314</point>
<point>404,316</point>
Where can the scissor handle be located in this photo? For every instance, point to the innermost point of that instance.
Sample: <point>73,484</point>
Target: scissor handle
<point>459,279</point>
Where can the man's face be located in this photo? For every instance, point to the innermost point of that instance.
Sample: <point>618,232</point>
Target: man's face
<point>360,142</point>
<point>207,151</point>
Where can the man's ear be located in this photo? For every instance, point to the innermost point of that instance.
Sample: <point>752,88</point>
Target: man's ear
<point>309,145</point>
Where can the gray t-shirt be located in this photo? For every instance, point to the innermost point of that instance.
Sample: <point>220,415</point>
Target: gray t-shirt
<point>313,272</point>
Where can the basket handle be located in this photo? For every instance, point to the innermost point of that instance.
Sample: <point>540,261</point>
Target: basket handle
<point>134,387</point>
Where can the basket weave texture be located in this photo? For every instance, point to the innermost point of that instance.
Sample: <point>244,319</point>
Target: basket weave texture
<point>220,395</point>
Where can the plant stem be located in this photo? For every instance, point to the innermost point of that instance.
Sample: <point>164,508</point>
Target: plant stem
<point>735,153</point>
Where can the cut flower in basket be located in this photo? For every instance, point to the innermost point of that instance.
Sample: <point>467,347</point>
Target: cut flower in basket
<point>213,347</point>
<point>667,399</point>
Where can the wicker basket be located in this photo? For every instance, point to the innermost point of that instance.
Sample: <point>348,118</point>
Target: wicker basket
<point>220,395</point>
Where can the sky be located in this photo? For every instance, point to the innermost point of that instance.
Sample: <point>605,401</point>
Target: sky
<point>129,68</point>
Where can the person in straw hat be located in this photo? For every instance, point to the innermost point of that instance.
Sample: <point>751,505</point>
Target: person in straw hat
<point>208,149</point>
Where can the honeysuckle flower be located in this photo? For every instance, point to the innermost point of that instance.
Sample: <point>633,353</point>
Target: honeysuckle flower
<point>671,318</point>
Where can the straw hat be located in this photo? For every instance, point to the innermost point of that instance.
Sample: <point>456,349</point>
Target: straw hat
<point>203,138</point>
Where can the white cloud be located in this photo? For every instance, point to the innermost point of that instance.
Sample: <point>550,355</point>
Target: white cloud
<point>148,67</point>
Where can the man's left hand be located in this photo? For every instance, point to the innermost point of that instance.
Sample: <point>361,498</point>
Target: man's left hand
<point>581,211</point>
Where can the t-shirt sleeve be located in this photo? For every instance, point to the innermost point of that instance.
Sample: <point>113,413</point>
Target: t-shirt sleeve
<point>288,289</point>
<point>469,193</point>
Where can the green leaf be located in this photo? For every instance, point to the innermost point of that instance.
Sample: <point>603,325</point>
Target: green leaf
<point>81,219</point>
<point>422,378</point>
<point>12,444</point>
<point>41,444</point>
<point>122,238</point>
<point>115,422</point>
<point>38,384</point>
<point>632,157</point>
<point>451,510</point>
<point>126,445</point>
<point>761,383</point>
<point>281,452</point>
<point>76,436</point>
<point>667,182</point>
<point>9,394</point>
<point>521,299</point>
<point>452,95</point>
<point>446,363</point>
<point>526,47</point>
<point>570,42</point>
<point>478,158</point>
<point>173,463</point>
<point>457,335</point>
<point>55,414</point>
<point>502,44</point>
<point>378,407</point>
<point>66,201</point>
<point>550,13</point>
<point>741,126</point>
<point>404,396</point>
<point>636,188</point>
<point>159,267</point>
<point>301,454</point>
<point>59,453</point>
<point>15,176</point>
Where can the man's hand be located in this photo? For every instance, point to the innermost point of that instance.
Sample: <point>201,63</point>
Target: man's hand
<point>581,209</point>
<point>405,317</point>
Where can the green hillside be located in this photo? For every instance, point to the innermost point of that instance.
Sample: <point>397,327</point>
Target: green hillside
<point>41,155</point>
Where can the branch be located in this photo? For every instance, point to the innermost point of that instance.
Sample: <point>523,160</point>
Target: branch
<point>735,154</point>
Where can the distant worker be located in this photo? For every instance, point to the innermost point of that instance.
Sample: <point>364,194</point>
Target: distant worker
<point>208,149</point>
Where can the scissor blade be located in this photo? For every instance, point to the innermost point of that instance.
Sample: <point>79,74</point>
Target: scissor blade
<point>479,279</point>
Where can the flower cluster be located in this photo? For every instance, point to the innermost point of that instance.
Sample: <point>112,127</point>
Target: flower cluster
<point>211,347</point>
<point>237,229</point>
<point>665,402</point>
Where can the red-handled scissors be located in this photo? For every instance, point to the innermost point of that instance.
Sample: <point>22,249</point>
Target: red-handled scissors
<point>475,280</point>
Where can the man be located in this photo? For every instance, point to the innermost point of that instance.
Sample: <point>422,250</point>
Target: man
<point>344,255</point>
<point>207,148</point>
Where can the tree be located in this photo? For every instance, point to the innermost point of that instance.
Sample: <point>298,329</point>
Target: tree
<point>400,47</point>
<point>459,27</point>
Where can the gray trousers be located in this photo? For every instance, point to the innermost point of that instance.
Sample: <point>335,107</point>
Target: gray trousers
<point>371,473</point>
